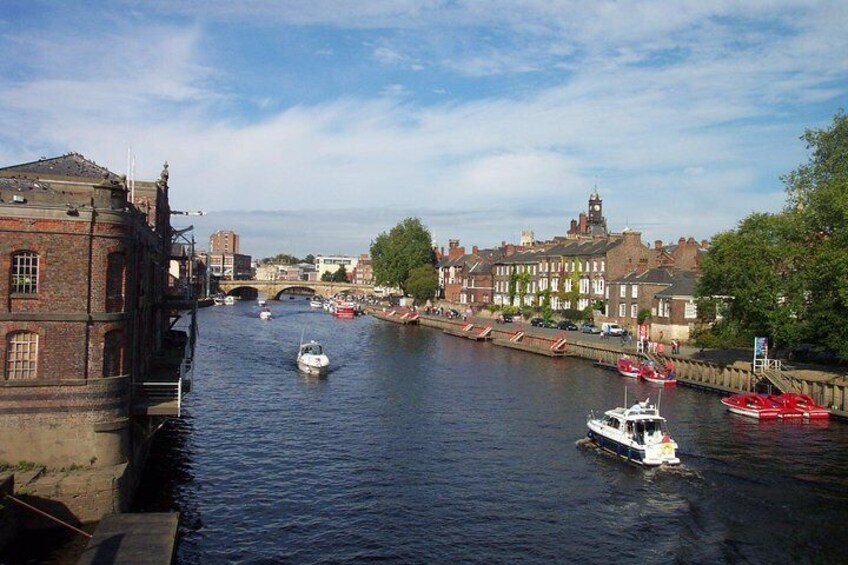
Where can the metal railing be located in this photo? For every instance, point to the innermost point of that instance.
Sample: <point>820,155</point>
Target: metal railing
<point>763,365</point>
<point>161,393</point>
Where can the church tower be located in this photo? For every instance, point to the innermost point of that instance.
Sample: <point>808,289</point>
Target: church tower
<point>597,224</point>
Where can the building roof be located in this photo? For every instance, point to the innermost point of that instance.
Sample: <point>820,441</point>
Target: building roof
<point>70,165</point>
<point>683,285</point>
<point>657,275</point>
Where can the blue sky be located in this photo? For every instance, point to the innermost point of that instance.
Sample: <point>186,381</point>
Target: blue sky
<point>310,127</point>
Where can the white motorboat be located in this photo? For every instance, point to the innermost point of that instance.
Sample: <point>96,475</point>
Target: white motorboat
<point>316,302</point>
<point>229,300</point>
<point>638,434</point>
<point>218,300</point>
<point>261,302</point>
<point>265,313</point>
<point>311,358</point>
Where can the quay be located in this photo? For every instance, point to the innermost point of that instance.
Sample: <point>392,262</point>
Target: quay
<point>714,377</point>
<point>148,539</point>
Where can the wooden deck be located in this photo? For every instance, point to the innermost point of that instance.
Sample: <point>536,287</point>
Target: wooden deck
<point>149,539</point>
<point>546,351</point>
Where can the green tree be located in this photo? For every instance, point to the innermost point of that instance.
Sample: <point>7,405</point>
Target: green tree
<point>395,254</point>
<point>643,316</point>
<point>513,285</point>
<point>523,279</point>
<point>340,275</point>
<point>422,283</point>
<point>785,275</point>
<point>546,310</point>
<point>327,276</point>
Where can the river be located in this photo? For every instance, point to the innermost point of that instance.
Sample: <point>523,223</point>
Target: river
<point>420,447</point>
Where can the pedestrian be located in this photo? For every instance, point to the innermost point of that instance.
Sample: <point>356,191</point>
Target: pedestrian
<point>660,348</point>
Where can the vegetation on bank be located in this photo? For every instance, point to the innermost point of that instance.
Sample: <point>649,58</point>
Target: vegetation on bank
<point>785,275</point>
<point>286,259</point>
<point>398,255</point>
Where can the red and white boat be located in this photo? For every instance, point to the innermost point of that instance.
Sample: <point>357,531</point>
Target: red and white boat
<point>752,405</point>
<point>799,405</point>
<point>344,310</point>
<point>658,376</point>
<point>628,367</point>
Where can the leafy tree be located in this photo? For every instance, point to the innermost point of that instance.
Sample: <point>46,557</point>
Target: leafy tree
<point>309,259</point>
<point>785,275</point>
<point>423,282</point>
<point>340,275</point>
<point>327,276</point>
<point>523,279</point>
<point>547,311</point>
<point>513,285</point>
<point>643,316</point>
<point>395,254</point>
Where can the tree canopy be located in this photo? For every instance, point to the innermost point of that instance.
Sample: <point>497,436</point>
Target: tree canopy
<point>785,275</point>
<point>395,254</point>
<point>286,259</point>
<point>422,283</point>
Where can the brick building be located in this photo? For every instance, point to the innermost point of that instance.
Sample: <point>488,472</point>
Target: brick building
<point>84,319</point>
<point>666,292</point>
<point>223,242</point>
<point>363,273</point>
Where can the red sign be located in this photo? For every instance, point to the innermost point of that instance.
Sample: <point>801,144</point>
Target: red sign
<point>643,331</point>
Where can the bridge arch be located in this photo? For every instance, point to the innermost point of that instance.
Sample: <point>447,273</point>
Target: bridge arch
<point>244,292</point>
<point>299,290</point>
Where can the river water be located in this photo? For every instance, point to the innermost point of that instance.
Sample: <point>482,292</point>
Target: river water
<point>420,447</point>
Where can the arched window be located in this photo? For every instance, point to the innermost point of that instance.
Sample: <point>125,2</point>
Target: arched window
<point>113,353</point>
<point>115,265</point>
<point>24,272</point>
<point>21,356</point>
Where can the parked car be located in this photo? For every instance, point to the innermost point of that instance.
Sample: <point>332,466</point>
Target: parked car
<point>567,325</point>
<point>549,324</point>
<point>537,322</point>
<point>504,319</point>
<point>588,328</point>
<point>612,329</point>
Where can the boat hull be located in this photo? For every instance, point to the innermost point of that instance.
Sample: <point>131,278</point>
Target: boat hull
<point>312,369</point>
<point>630,453</point>
<point>759,413</point>
<point>628,369</point>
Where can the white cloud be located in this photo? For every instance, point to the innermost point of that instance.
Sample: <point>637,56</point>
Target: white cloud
<point>684,121</point>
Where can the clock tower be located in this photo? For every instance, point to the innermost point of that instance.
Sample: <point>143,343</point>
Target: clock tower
<point>596,224</point>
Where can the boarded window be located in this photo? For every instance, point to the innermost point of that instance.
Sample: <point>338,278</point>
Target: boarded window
<point>113,353</point>
<point>24,273</point>
<point>115,282</point>
<point>21,356</point>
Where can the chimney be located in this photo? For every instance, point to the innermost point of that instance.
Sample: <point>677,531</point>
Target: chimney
<point>681,241</point>
<point>453,243</point>
<point>691,241</point>
<point>474,249</point>
<point>658,244</point>
<point>704,243</point>
<point>510,249</point>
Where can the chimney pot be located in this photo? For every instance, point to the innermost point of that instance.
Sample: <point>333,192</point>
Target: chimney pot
<point>658,244</point>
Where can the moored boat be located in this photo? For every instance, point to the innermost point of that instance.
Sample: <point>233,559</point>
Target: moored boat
<point>664,376</point>
<point>265,313</point>
<point>229,300</point>
<point>628,367</point>
<point>316,302</point>
<point>798,405</point>
<point>638,434</point>
<point>218,300</point>
<point>312,359</point>
<point>752,405</point>
<point>346,310</point>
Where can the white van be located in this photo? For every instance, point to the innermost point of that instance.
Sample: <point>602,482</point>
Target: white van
<point>611,329</point>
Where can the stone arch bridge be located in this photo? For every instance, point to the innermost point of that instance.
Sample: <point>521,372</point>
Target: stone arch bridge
<point>273,289</point>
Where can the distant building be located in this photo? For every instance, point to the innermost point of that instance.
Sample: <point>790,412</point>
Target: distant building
<point>363,273</point>
<point>332,263</point>
<point>223,242</point>
<point>228,266</point>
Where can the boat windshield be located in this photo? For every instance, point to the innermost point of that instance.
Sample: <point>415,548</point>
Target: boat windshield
<point>650,431</point>
<point>312,349</point>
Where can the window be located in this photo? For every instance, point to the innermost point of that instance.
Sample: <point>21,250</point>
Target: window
<point>690,311</point>
<point>25,273</point>
<point>603,265</point>
<point>634,311</point>
<point>622,291</point>
<point>600,286</point>
<point>21,356</point>
<point>113,353</point>
<point>634,291</point>
<point>584,286</point>
<point>115,282</point>
<point>622,310</point>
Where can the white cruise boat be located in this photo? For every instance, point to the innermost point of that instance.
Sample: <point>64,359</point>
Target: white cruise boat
<point>638,434</point>
<point>311,358</point>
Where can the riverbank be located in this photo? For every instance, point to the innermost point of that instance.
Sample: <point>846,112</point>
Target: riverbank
<point>695,367</point>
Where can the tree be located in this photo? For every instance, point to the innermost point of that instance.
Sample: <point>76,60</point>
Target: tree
<point>422,283</point>
<point>340,275</point>
<point>513,285</point>
<point>546,310</point>
<point>327,276</point>
<point>395,254</point>
<point>785,275</point>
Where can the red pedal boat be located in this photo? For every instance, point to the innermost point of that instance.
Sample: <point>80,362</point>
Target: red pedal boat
<point>658,376</point>
<point>628,367</point>
<point>752,405</point>
<point>798,405</point>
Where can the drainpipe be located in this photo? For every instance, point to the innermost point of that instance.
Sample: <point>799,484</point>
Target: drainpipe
<point>88,320</point>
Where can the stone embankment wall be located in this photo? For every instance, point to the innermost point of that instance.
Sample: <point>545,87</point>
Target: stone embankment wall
<point>710,376</point>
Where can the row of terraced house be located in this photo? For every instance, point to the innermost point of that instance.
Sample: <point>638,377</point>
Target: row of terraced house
<point>614,275</point>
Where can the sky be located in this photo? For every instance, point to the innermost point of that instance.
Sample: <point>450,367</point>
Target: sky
<point>312,126</point>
